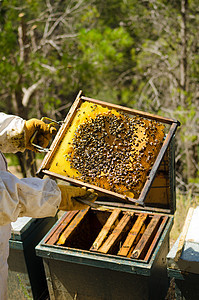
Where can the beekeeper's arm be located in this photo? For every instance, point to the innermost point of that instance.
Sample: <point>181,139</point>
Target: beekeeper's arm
<point>16,133</point>
<point>31,197</point>
<point>12,133</point>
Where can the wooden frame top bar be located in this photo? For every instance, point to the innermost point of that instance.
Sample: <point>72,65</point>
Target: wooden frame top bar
<point>132,111</point>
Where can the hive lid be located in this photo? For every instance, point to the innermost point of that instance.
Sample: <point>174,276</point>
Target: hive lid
<point>22,227</point>
<point>189,256</point>
<point>122,153</point>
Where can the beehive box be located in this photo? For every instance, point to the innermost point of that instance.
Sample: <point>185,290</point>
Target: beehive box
<point>184,268</point>
<point>118,250</point>
<point>26,275</point>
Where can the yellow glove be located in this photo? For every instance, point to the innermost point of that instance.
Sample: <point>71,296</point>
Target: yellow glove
<point>43,137</point>
<point>68,194</point>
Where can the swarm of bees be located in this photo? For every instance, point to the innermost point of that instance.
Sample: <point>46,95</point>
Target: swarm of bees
<point>115,151</point>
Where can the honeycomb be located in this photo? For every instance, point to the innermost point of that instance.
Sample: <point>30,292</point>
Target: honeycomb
<point>109,149</point>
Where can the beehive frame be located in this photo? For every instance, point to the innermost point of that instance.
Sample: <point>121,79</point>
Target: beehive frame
<point>44,169</point>
<point>127,234</point>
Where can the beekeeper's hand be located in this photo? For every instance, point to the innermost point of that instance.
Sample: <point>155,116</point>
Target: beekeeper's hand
<point>68,194</point>
<point>43,136</point>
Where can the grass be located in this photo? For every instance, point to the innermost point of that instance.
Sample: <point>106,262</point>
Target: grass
<point>25,292</point>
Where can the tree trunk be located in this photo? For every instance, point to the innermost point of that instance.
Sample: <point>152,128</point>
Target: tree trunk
<point>189,147</point>
<point>26,159</point>
<point>27,163</point>
<point>183,63</point>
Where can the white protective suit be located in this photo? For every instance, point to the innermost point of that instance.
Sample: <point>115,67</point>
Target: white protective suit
<point>32,197</point>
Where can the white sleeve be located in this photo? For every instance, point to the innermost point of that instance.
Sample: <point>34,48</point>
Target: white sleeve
<point>12,134</point>
<point>31,197</point>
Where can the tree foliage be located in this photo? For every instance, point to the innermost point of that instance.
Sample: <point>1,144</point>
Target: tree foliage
<point>142,54</point>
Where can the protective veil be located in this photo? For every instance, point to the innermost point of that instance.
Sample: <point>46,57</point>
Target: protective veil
<point>32,197</point>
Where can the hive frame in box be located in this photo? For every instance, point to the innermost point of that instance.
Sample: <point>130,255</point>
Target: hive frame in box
<point>145,239</point>
<point>44,168</point>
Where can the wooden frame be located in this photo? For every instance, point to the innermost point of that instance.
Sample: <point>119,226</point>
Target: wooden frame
<point>125,233</point>
<point>44,168</point>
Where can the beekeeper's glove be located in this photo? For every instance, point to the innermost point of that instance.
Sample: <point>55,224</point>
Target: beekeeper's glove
<point>68,194</point>
<point>43,136</point>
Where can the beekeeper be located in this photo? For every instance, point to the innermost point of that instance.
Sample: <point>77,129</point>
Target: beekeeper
<point>32,197</point>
